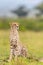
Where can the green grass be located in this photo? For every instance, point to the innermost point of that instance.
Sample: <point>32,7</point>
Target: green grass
<point>32,40</point>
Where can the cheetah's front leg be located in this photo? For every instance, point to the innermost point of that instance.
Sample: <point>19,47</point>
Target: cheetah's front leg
<point>11,54</point>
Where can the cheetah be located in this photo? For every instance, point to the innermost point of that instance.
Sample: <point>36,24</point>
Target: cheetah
<point>16,48</point>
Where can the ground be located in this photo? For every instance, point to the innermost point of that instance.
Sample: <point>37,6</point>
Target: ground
<point>32,40</point>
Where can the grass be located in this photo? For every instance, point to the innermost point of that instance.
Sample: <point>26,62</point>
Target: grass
<point>32,40</point>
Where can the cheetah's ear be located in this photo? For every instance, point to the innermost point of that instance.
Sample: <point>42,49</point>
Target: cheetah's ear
<point>13,23</point>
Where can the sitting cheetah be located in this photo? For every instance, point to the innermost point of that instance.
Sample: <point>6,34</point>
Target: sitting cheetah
<point>16,48</point>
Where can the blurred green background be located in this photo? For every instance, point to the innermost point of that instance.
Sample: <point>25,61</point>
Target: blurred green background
<point>24,23</point>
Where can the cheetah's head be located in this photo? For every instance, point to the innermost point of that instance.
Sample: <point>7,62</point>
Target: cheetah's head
<point>14,25</point>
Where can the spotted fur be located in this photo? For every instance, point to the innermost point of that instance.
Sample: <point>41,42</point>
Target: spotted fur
<point>16,48</point>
